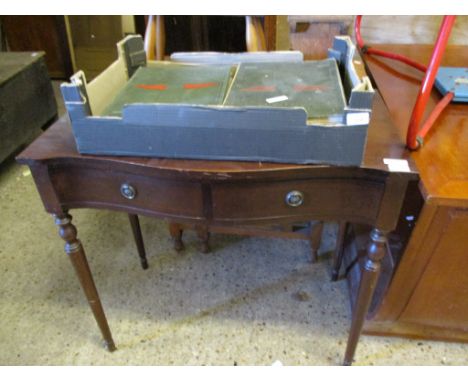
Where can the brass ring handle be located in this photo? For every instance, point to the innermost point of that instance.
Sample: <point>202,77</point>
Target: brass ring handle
<point>294,198</point>
<point>127,191</point>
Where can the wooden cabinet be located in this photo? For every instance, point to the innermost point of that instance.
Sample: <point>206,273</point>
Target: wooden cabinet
<point>88,42</point>
<point>424,289</point>
<point>27,100</point>
<point>440,297</point>
<point>41,33</point>
<point>94,39</point>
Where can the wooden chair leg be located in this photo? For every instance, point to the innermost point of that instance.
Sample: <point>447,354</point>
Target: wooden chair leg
<point>204,236</point>
<point>176,232</point>
<point>155,38</point>
<point>315,240</point>
<point>160,38</point>
<point>375,253</point>
<point>136,229</point>
<point>339,249</point>
<point>254,34</point>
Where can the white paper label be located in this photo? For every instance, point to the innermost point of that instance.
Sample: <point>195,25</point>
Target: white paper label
<point>461,80</point>
<point>277,99</point>
<point>357,119</point>
<point>397,165</point>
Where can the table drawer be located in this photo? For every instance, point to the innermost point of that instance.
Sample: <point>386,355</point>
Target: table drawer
<point>88,187</point>
<point>316,198</point>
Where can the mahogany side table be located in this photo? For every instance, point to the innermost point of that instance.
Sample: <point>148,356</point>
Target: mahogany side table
<point>224,193</point>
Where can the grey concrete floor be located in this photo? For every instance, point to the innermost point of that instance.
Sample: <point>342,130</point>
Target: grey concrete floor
<point>236,305</point>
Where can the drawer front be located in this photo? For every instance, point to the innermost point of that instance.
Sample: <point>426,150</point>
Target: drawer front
<point>325,198</point>
<point>88,187</point>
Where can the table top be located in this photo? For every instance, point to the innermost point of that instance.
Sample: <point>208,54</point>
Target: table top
<point>383,141</point>
<point>443,160</point>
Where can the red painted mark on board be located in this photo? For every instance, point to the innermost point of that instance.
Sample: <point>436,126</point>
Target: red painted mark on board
<point>309,88</point>
<point>259,89</point>
<point>202,85</point>
<point>152,86</point>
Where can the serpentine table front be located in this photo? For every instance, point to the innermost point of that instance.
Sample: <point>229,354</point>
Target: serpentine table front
<point>225,193</point>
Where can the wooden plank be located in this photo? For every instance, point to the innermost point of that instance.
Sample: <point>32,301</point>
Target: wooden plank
<point>410,30</point>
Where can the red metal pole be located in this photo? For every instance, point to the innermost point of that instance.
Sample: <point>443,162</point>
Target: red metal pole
<point>357,31</point>
<point>428,81</point>
<point>435,114</point>
<point>399,57</point>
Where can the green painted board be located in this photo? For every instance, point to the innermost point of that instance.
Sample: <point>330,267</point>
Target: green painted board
<point>173,83</point>
<point>314,85</point>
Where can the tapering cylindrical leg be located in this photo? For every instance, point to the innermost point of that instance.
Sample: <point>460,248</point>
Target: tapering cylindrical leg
<point>204,237</point>
<point>176,232</point>
<point>77,256</point>
<point>315,241</point>
<point>160,38</point>
<point>339,250</point>
<point>369,276</point>
<point>136,229</point>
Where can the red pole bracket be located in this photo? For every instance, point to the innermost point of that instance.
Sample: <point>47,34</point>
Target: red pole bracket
<point>428,82</point>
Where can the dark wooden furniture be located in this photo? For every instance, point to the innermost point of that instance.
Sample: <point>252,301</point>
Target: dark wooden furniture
<point>27,100</point>
<point>314,34</point>
<point>94,38</point>
<point>425,291</point>
<point>41,33</point>
<point>206,33</point>
<point>155,35</point>
<point>225,194</point>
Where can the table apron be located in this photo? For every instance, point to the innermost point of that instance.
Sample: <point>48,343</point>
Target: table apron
<point>231,202</point>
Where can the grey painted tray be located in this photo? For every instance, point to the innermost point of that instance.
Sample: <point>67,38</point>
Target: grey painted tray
<point>105,122</point>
